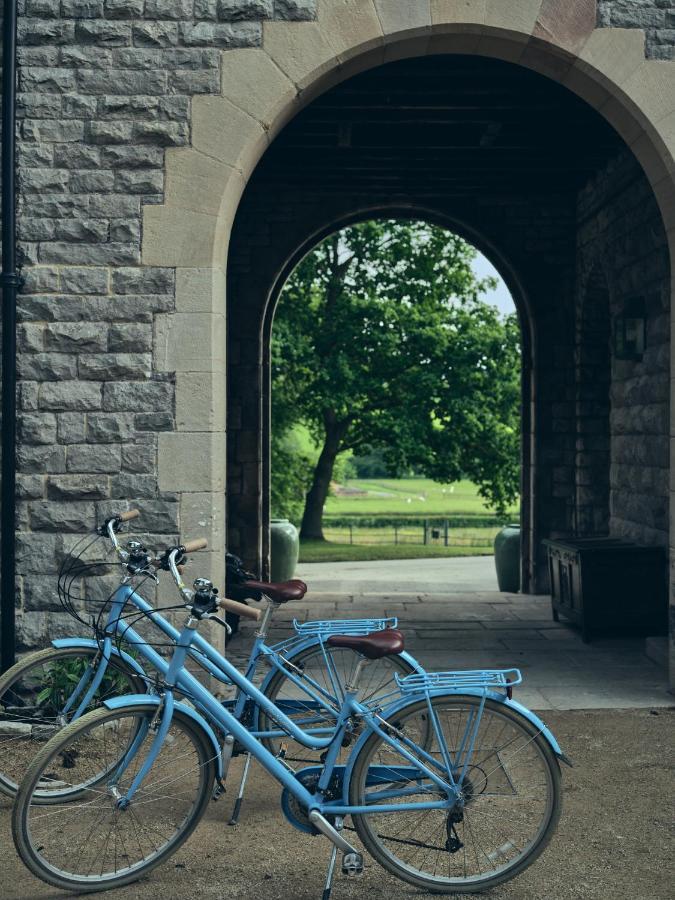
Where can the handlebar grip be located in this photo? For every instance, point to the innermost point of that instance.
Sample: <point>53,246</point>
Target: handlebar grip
<point>240,609</point>
<point>129,514</point>
<point>197,544</point>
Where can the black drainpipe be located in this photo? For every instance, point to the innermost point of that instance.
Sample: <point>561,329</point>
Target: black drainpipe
<point>10,282</point>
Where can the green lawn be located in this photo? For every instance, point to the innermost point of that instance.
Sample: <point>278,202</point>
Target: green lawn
<point>327,551</point>
<point>409,496</point>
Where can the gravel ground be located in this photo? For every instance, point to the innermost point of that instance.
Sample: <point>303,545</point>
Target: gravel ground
<point>614,841</point>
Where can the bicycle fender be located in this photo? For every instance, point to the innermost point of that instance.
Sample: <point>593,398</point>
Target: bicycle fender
<point>74,643</point>
<point>398,705</point>
<point>144,699</point>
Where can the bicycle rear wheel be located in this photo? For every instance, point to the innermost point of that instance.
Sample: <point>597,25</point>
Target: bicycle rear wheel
<point>511,798</point>
<point>34,694</point>
<point>93,843</point>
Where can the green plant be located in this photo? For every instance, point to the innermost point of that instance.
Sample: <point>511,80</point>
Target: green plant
<point>63,676</point>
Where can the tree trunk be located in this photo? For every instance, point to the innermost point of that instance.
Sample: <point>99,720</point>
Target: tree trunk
<point>312,517</point>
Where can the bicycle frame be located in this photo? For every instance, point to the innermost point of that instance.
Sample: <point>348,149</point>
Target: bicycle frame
<point>425,767</point>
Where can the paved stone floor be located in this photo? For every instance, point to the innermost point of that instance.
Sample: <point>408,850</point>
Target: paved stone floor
<point>454,617</point>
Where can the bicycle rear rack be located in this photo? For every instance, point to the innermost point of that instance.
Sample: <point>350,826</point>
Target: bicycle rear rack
<point>474,679</point>
<point>344,626</point>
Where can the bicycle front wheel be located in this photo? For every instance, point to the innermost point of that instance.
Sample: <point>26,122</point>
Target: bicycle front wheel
<point>93,842</point>
<point>326,670</point>
<point>511,796</point>
<point>36,701</point>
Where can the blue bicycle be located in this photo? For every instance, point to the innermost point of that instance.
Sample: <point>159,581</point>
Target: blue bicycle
<point>450,784</point>
<point>46,690</point>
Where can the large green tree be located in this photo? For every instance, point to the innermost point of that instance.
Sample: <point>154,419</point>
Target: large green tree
<point>382,339</point>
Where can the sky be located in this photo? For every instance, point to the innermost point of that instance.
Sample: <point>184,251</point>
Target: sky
<point>500,297</point>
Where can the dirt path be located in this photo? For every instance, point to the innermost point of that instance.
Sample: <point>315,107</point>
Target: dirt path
<point>614,842</point>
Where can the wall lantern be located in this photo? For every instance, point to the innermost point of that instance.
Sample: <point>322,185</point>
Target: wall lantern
<point>630,328</point>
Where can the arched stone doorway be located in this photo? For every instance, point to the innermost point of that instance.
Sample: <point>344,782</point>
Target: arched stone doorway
<point>605,67</point>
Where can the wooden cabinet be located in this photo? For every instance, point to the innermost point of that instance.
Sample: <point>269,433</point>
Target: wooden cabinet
<point>608,585</point>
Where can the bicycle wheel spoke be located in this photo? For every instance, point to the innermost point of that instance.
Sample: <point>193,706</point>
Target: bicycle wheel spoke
<point>498,822</point>
<point>101,834</point>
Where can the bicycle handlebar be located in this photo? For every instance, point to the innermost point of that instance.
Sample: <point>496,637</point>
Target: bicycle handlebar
<point>240,609</point>
<point>128,515</point>
<point>197,544</point>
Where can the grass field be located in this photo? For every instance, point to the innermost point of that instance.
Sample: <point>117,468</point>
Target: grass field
<point>408,496</point>
<point>401,497</point>
<point>327,551</point>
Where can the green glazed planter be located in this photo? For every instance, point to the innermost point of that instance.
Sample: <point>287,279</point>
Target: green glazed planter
<point>284,549</point>
<point>507,558</point>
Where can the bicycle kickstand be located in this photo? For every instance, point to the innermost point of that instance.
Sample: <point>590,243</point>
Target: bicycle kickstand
<point>240,795</point>
<point>331,865</point>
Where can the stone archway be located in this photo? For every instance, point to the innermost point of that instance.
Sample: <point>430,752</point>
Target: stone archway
<point>265,88</point>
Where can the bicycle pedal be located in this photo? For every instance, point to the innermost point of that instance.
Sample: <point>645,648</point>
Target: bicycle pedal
<point>352,865</point>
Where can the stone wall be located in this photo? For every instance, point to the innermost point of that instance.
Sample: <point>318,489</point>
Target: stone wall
<point>656,17</point>
<point>621,235</point>
<point>105,89</point>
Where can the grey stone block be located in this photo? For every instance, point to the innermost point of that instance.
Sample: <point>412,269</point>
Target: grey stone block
<point>124,9</point>
<point>30,487</point>
<point>39,595</point>
<point>164,134</point>
<point>94,458</point>
<point>76,106</point>
<point>43,180</point>
<point>70,395</point>
<point>76,156</point>
<point>130,337</point>
<point>52,80</point>
<point>36,156</point>
<point>103,34</point>
<point>77,487</point>
<point>144,181</point>
<point>41,459</point>
<point>76,336</point>
<point>35,553</point>
<point>121,81</point>
<point>29,338</point>
<point>41,279</point>
<point>168,9</point>
<point>206,10</point>
<point>106,366</point>
<point>31,229</point>
<point>127,486</point>
<point>85,57</point>
<point>108,132</point>
<point>28,395</point>
<point>129,396</point>
<point>160,516</point>
<point>84,280</point>
<point>92,182</point>
<point>125,231</point>
<point>204,34</point>
<point>89,230</point>
<point>37,428</point>
<point>60,517</point>
<point>132,157</point>
<point>139,458</point>
<point>82,9</point>
<point>133,308</point>
<point>235,10</point>
<point>295,10</point>
<point>110,428</point>
<point>188,82</point>
<point>36,34</point>
<point>71,428</point>
<point>52,130</point>
<point>143,280</point>
<point>86,254</point>
<point>155,34</point>
<point>42,9</point>
<point>161,421</point>
<point>46,366</point>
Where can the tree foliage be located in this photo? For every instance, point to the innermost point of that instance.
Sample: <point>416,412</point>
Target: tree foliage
<point>382,339</point>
